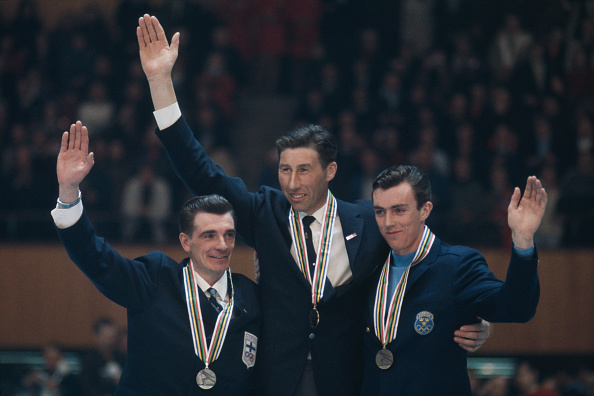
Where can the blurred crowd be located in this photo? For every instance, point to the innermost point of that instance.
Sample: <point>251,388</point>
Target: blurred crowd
<point>478,94</point>
<point>96,372</point>
<point>538,377</point>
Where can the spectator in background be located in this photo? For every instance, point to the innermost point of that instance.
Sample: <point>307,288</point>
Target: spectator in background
<point>510,46</point>
<point>102,366</point>
<point>221,43</point>
<point>146,205</point>
<point>528,381</point>
<point>56,378</point>
<point>500,187</point>
<point>302,25</point>
<point>220,83</point>
<point>575,203</point>
<point>466,217</point>
<point>541,145</point>
<point>97,108</point>
<point>77,61</point>
<point>494,386</point>
<point>270,38</point>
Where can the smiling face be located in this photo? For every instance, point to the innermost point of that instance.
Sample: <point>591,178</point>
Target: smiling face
<point>210,245</point>
<point>303,180</point>
<point>399,220</point>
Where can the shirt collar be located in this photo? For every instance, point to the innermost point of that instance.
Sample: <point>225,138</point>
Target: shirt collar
<point>220,286</point>
<point>318,214</point>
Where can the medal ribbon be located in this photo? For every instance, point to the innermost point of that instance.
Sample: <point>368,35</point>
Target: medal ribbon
<point>386,326</point>
<point>206,353</point>
<point>323,257</point>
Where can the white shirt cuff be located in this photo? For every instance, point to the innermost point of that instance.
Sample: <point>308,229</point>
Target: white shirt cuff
<point>167,116</point>
<point>65,218</point>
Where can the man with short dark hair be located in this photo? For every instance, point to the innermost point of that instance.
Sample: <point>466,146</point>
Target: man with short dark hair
<point>193,327</point>
<point>427,288</point>
<point>316,253</point>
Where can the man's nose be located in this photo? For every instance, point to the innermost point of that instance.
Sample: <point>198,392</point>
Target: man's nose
<point>293,181</point>
<point>390,220</point>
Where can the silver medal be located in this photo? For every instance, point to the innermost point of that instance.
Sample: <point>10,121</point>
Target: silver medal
<point>384,359</point>
<point>206,378</point>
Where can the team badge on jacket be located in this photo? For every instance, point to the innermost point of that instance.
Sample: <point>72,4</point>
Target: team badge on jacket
<point>250,344</point>
<point>424,323</point>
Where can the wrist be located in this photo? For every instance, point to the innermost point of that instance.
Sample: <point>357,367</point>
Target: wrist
<point>162,93</point>
<point>65,202</point>
<point>160,78</point>
<point>522,243</point>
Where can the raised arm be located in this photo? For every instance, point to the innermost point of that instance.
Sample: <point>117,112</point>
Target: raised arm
<point>524,215</point>
<point>157,59</point>
<point>74,161</point>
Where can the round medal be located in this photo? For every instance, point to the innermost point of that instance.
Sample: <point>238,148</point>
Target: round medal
<point>384,359</point>
<point>206,378</point>
<point>314,318</point>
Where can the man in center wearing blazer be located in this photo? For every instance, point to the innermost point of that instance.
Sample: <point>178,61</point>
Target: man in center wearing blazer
<point>311,335</point>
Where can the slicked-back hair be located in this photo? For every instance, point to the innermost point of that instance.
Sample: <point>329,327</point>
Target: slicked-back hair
<point>410,174</point>
<point>214,204</point>
<point>310,136</point>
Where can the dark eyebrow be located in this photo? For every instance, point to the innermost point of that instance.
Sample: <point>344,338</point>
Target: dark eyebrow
<point>391,207</point>
<point>308,165</point>
<point>213,232</point>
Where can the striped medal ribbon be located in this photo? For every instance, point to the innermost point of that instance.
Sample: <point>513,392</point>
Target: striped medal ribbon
<point>386,321</point>
<point>323,257</point>
<point>206,353</point>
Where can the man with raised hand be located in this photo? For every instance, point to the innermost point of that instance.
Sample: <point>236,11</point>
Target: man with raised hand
<point>193,327</point>
<point>427,288</point>
<point>316,253</point>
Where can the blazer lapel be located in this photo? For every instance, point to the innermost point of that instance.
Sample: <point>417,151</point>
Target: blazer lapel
<point>352,228</point>
<point>282,216</point>
<point>418,270</point>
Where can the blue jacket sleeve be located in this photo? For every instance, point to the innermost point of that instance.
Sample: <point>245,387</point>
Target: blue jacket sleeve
<point>202,176</point>
<point>514,300</point>
<point>129,283</point>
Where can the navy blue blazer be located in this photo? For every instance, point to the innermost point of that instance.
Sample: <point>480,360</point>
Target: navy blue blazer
<point>449,288</point>
<point>263,223</point>
<point>161,358</point>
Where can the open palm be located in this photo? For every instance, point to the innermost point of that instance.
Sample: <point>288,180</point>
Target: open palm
<point>524,216</point>
<point>74,161</point>
<point>156,56</point>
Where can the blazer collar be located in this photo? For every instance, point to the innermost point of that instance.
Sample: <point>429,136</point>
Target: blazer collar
<point>418,270</point>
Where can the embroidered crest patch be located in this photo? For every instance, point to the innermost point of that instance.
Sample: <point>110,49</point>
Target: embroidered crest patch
<point>250,344</point>
<point>424,323</point>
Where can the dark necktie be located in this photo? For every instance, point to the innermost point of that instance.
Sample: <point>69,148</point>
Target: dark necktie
<point>213,299</point>
<point>311,253</point>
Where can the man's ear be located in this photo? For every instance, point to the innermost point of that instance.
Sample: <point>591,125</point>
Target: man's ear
<point>331,170</point>
<point>426,210</point>
<point>185,241</point>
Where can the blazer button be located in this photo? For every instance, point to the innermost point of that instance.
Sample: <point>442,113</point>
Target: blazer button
<point>367,330</point>
<point>312,336</point>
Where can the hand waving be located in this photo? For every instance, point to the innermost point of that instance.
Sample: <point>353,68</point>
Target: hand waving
<point>74,161</point>
<point>156,56</point>
<point>524,216</point>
